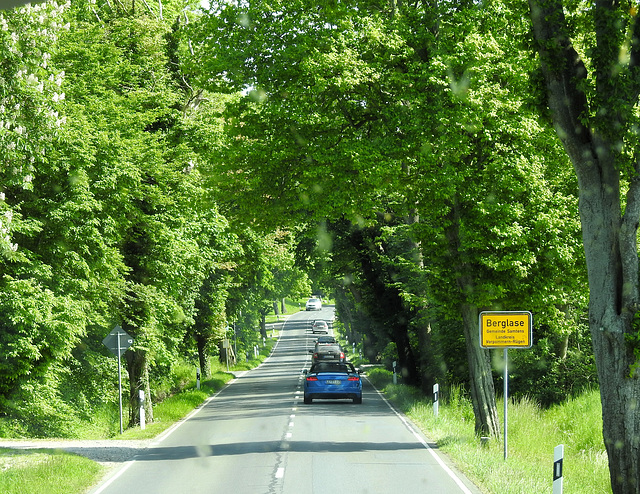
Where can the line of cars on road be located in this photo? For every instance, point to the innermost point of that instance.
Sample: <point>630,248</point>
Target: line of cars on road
<point>331,376</point>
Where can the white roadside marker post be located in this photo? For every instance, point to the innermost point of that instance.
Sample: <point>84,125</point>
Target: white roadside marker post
<point>142,413</point>
<point>558,456</point>
<point>435,399</point>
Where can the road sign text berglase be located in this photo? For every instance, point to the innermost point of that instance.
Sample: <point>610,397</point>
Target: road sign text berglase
<point>505,329</point>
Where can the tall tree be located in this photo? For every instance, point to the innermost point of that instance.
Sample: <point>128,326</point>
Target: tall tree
<point>590,60</point>
<point>41,317</point>
<point>361,109</point>
<point>144,173</point>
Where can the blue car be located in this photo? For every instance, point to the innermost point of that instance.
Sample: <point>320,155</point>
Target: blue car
<point>332,380</point>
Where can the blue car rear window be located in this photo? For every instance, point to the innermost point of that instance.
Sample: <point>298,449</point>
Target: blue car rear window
<point>331,367</point>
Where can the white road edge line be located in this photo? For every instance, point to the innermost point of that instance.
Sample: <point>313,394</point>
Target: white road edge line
<point>112,479</point>
<point>442,464</point>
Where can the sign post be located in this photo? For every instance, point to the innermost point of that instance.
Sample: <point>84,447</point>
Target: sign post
<point>512,329</point>
<point>118,341</point>
<point>226,345</point>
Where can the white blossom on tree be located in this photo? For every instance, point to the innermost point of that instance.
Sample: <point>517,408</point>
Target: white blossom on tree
<point>30,99</point>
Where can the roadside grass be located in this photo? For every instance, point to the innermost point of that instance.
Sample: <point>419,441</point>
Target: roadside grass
<point>292,306</point>
<point>175,407</point>
<point>42,471</point>
<point>532,434</point>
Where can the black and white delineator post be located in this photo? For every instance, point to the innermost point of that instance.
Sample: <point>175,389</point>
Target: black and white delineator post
<point>436,388</point>
<point>558,457</point>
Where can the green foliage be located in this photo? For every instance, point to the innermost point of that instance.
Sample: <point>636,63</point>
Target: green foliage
<point>361,151</point>
<point>168,380</point>
<point>38,410</point>
<point>429,137</point>
<point>34,330</point>
<point>548,378</point>
<point>379,377</point>
<point>30,99</point>
<point>633,340</point>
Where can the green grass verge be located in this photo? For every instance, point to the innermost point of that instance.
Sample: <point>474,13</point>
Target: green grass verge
<point>532,434</point>
<point>292,306</point>
<point>41,471</point>
<point>175,407</point>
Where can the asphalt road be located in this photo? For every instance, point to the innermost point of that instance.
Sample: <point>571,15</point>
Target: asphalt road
<point>257,437</point>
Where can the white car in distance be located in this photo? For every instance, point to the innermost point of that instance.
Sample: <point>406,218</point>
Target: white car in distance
<point>314,304</point>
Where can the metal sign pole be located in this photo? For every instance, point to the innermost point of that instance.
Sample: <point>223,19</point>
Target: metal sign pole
<point>510,329</point>
<point>116,345</point>
<point>506,399</point>
<point>119,383</point>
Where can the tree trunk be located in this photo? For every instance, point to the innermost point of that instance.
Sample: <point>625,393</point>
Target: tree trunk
<point>483,395</point>
<point>431,362</point>
<point>203,344</point>
<point>138,371</point>
<point>620,397</point>
<point>481,384</point>
<point>609,236</point>
<point>406,358</point>
<point>263,325</point>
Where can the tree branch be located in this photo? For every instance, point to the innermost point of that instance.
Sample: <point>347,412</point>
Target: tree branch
<point>564,72</point>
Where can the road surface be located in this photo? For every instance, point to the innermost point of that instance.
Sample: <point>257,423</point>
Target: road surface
<point>257,437</point>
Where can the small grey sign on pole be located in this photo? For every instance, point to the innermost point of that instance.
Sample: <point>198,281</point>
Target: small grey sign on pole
<point>118,341</point>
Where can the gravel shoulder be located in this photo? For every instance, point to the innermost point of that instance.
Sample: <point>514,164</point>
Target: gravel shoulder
<point>110,453</point>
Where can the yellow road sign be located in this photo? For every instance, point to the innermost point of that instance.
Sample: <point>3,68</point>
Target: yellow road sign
<point>506,329</point>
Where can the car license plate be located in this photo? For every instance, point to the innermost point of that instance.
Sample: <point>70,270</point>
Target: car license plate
<point>334,381</point>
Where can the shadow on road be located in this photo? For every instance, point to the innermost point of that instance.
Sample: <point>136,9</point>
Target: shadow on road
<point>185,452</point>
